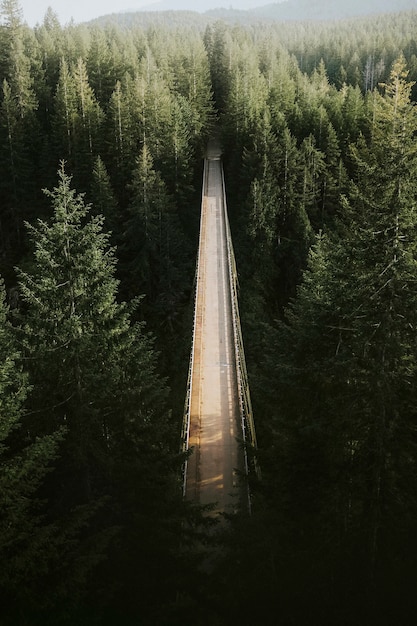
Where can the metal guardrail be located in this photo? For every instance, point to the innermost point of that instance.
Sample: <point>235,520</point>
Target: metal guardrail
<point>245,403</point>
<point>185,434</point>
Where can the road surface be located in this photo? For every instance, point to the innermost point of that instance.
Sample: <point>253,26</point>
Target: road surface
<point>214,409</point>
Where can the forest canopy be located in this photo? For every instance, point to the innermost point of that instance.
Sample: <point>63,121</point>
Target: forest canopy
<point>103,128</point>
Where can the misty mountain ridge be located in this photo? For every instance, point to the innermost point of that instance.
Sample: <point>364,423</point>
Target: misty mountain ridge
<point>286,9</point>
<point>331,9</point>
<point>203,6</point>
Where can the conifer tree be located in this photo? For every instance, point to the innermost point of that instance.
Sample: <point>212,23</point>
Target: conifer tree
<point>28,543</point>
<point>64,113</point>
<point>99,66</point>
<point>78,339</point>
<point>103,198</point>
<point>87,121</point>
<point>346,363</point>
<point>384,255</point>
<point>120,138</point>
<point>153,250</point>
<point>77,120</point>
<point>19,138</point>
<point>94,372</point>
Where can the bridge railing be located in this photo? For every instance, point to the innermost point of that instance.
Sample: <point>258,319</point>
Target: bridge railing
<point>245,403</point>
<point>185,434</point>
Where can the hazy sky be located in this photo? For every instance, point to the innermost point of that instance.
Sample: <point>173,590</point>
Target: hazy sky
<point>83,10</point>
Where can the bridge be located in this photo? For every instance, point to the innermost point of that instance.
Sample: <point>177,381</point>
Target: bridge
<point>218,422</point>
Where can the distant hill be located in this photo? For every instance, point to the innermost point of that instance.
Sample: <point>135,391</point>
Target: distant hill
<point>284,10</point>
<point>331,9</point>
<point>145,19</point>
<point>202,6</point>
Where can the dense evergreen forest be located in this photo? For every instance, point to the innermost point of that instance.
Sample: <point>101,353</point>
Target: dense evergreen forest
<point>102,132</point>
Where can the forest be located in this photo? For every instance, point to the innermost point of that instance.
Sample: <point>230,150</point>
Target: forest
<point>103,129</point>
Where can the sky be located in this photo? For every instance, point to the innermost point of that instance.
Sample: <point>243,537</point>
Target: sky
<point>84,10</point>
<point>81,10</point>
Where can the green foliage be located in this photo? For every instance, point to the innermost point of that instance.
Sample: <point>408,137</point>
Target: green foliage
<point>104,199</point>
<point>27,541</point>
<point>318,129</point>
<point>75,331</point>
<point>344,364</point>
<point>332,384</point>
<point>19,131</point>
<point>152,247</point>
<point>94,371</point>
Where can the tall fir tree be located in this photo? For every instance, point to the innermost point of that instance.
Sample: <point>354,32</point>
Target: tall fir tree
<point>29,542</point>
<point>94,372</point>
<point>345,366</point>
<point>19,130</point>
<point>153,251</point>
<point>75,333</point>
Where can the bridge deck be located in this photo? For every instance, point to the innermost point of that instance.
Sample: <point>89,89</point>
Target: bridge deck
<point>214,408</point>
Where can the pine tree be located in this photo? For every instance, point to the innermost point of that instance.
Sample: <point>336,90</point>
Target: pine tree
<point>19,137</point>
<point>99,66</point>
<point>77,121</point>
<point>28,543</point>
<point>94,372</point>
<point>346,366</point>
<point>87,123</point>
<point>153,250</point>
<point>75,334</point>
<point>384,254</point>
<point>216,41</point>
<point>103,198</point>
<point>64,113</point>
<point>120,139</point>
<point>278,225</point>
